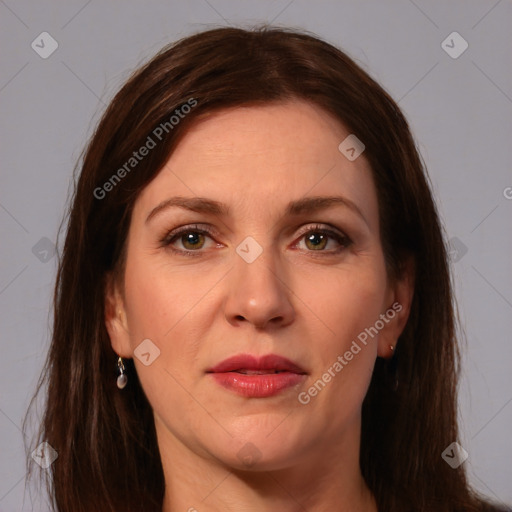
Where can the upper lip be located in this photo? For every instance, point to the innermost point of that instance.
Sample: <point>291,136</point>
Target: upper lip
<point>255,363</point>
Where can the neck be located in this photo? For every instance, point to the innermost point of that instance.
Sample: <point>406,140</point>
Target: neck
<point>326,479</point>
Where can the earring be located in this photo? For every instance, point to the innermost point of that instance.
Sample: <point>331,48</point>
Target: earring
<point>122,379</point>
<point>392,348</point>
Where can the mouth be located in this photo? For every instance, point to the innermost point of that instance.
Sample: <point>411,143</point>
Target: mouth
<point>254,377</point>
<point>257,372</point>
<point>246,363</point>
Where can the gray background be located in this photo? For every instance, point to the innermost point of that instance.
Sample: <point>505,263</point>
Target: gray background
<point>460,110</point>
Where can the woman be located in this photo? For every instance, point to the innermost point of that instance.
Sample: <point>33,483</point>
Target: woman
<point>253,309</point>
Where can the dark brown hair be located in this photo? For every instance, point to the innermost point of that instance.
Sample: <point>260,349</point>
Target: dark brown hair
<point>108,457</point>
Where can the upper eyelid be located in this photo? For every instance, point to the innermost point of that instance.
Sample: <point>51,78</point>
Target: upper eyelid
<point>190,228</point>
<point>210,230</point>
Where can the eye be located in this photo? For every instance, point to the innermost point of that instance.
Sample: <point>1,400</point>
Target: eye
<point>317,238</point>
<point>191,238</point>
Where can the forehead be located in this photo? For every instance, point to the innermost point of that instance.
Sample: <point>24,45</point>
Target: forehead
<point>289,134</point>
<point>250,156</point>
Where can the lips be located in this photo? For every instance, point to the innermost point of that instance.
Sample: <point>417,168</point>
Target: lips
<point>248,364</point>
<point>254,377</point>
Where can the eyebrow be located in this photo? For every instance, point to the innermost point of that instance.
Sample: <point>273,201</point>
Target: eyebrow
<point>305,205</point>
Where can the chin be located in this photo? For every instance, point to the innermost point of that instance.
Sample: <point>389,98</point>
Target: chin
<point>260,445</point>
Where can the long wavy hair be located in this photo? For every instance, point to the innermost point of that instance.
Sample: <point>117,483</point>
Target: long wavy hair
<point>108,456</point>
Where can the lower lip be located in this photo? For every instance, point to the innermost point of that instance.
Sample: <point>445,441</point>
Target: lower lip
<point>258,386</point>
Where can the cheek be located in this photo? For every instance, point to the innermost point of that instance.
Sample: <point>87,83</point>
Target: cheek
<point>159,298</point>
<point>335,391</point>
<point>172,307</point>
<point>160,307</point>
<point>342,306</point>
<point>341,302</point>
<point>148,305</point>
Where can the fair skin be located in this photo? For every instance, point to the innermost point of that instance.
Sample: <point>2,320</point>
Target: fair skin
<point>299,299</point>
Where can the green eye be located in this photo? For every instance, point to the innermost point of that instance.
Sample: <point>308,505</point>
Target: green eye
<point>319,241</point>
<point>193,240</point>
<point>317,238</point>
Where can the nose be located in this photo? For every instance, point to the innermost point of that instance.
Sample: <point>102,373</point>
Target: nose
<point>258,293</point>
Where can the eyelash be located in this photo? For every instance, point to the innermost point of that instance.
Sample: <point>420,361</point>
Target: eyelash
<point>170,237</point>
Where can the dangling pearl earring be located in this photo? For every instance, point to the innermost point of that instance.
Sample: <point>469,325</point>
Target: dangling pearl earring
<point>122,379</point>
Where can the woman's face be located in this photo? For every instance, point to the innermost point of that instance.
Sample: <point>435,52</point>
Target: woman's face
<point>277,273</point>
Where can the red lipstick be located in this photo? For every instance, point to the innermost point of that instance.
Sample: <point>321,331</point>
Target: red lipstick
<point>255,377</point>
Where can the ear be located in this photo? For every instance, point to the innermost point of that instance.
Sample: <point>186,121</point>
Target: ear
<point>115,318</point>
<point>398,306</point>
